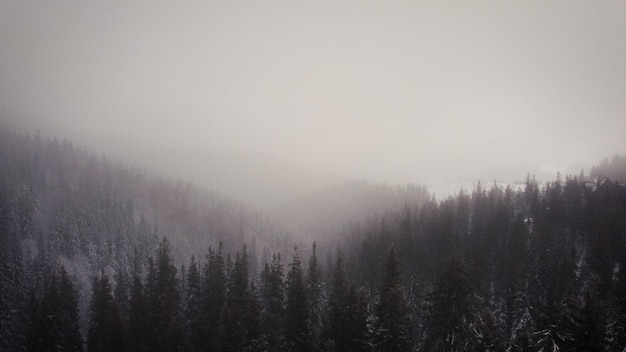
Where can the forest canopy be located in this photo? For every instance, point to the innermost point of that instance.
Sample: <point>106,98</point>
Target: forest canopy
<point>98,256</point>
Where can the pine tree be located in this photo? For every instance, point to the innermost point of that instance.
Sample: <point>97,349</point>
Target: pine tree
<point>345,324</point>
<point>581,327</point>
<point>297,332</point>
<point>193,323</point>
<point>272,301</point>
<point>168,325</point>
<point>70,337</point>
<point>213,298</point>
<point>42,332</point>
<point>238,327</point>
<point>393,323</point>
<point>151,296</point>
<point>121,293</point>
<point>53,324</point>
<point>316,300</point>
<point>138,322</point>
<point>451,313</point>
<point>617,312</point>
<point>105,327</point>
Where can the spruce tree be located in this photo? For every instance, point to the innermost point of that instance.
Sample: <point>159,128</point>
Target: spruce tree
<point>213,298</point>
<point>316,300</point>
<point>345,324</point>
<point>273,302</point>
<point>70,337</point>
<point>105,327</point>
<point>138,321</point>
<point>297,332</point>
<point>193,315</point>
<point>168,323</point>
<point>393,323</point>
<point>53,323</point>
<point>238,327</point>
<point>451,313</point>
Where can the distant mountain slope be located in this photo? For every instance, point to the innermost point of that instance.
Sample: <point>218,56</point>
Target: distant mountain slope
<point>63,204</point>
<point>254,178</point>
<point>615,169</point>
<point>323,213</point>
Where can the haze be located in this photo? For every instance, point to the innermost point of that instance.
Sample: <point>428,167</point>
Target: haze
<point>379,90</point>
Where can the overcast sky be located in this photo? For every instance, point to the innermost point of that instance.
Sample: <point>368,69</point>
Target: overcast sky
<point>403,91</point>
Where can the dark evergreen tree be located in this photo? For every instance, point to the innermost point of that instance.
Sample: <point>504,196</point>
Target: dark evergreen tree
<point>53,323</point>
<point>617,313</point>
<point>121,293</point>
<point>316,299</point>
<point>297,331</point>
<point>70,337</point>
<point>581,327</point>
<point>14,280</point>
<point>151,296</point>
<point>273,299</point>
<point>169,334</point>
<point>193,307</point>
<point>345,326</point>
<point>393,323</point>
<point>105,326</point>
<point>139,326</point>
<point>213,298</point>
<point>238,328</point>
<point>451,316</point>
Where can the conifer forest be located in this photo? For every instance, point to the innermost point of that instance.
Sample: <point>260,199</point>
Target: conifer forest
<point>99,256</point>
<point>312,176</point>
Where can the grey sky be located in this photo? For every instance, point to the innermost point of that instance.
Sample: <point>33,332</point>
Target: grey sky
<point>403,91</point>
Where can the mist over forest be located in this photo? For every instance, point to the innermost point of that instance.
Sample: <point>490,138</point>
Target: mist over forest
<point>332,176</point>
<point>104,255</point>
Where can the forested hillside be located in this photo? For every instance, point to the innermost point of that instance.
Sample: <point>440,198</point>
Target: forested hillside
<point>98,256</point>
<point>63,207</point>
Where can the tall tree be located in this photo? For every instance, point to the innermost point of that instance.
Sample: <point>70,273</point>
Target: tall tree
<point>139,337</point>
<point>273,302</point>
<point>345,326</point>
<point>213,298</point>
<point>54,318</point>
<point>238,327</point>
<point>168,321</point>
<point>105,326</point>
<point>393,323</point>
<point>69,326</point>
<point>316,299</point>
<point>193,307</point>
<point>452,312</point>
<point>297,331</point>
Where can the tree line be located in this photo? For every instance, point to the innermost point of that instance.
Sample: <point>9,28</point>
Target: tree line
<point>217,306</point>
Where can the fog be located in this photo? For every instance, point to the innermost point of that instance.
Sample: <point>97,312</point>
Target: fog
<point>393,91</point>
